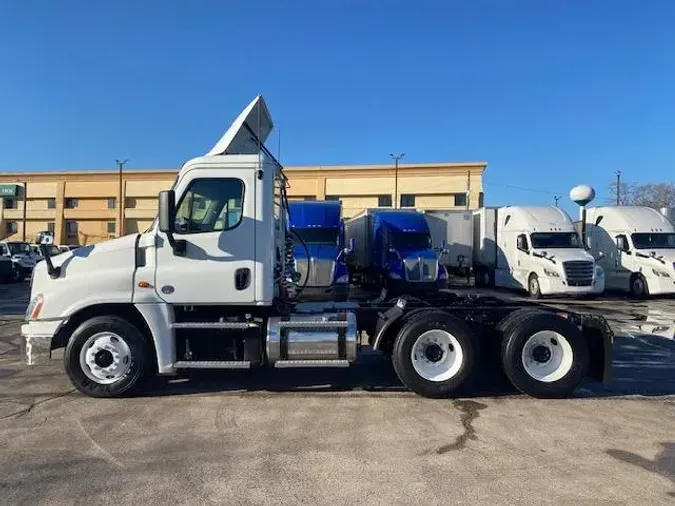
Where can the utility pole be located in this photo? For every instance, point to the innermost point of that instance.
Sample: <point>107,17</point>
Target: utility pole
<point>556,198</point>
<point>396,158</point>
<point>120,201</point>
<point>618,187</point>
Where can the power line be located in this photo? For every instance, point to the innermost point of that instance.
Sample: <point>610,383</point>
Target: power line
<point>536,190</point>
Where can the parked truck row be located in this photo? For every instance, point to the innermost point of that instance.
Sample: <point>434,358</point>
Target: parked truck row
<point>218,286</point>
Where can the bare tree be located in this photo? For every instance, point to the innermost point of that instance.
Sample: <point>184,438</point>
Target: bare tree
<point>654,195</point>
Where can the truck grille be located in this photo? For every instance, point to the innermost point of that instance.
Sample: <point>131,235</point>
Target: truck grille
<point>320,271</point>
<point>578,273</point>
<point>420,269</point>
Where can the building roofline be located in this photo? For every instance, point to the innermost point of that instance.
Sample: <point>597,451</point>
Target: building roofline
<point>440,165</point>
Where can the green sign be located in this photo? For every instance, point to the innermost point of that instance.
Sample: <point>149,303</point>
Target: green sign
<point>9,190</point>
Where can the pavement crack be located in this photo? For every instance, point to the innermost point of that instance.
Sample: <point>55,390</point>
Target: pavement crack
<point>33,405</point>
<point>106,454</point>
<point>470,411</point>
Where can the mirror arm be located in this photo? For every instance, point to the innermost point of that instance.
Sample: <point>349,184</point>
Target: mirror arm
<point>179,246</point>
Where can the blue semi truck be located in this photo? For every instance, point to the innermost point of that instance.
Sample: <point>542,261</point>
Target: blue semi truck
<point>319,248</point>
<point>393,249</point>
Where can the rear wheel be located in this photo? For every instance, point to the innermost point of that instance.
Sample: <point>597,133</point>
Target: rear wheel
<point>544,355</point>
<point>106,356</point>
<point>433,354</point>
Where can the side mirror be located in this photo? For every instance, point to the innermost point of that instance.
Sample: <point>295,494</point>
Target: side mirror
<point>167,211</point>
<point>350,248</point>
<point>622,244</point>
<point>521,244</point>
<point>601,254</point>
<point>167,221</point>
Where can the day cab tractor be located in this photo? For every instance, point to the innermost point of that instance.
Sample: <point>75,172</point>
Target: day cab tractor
<point>212,285</point>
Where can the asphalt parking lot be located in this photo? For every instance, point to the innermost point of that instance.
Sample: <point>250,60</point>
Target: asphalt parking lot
<point>354,436</point>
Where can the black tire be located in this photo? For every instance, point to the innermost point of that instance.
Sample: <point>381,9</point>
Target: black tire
<point>406,339</point>
<point>533,287</point>
<point>515,335</point>
<point>139,356</point>
<point>638,286</point>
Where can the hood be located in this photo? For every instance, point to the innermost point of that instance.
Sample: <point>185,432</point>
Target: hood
<point>565,254</point>
<point>97,273</point>
<point>426,254</point>
<point>319,251</point>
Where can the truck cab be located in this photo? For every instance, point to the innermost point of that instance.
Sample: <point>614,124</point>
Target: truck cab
<point>537,249</point>
<point>319,247</point>
<point>635,245</point>
<point>394,247</point>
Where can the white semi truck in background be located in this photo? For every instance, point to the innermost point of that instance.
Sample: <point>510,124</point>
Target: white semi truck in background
<point>213,287</point>
<point>636,248</point>
<point>533,248</point>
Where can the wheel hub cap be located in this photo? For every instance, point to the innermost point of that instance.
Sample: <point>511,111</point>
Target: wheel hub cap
<point>436,355</point>
<point>433,353</point>
<point>547,356</point>
<point>541,354</point>
<point>105,358</point>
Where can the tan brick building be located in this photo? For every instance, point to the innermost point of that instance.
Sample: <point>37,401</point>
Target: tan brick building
<point>83,207</point>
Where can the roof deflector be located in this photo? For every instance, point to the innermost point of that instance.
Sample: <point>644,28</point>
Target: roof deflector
<point>248,133</point>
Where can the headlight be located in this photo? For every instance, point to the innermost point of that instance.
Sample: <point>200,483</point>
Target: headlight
<point>34,308</point>
<point>551,273</point>
<point>660,274</point>
<point>599,272</point>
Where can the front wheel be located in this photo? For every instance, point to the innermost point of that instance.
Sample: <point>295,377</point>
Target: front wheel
<point>106,356</point>
<point>544,355</point>
<point>638,286</point>
<point>533,287</point>
<point>434,353</point>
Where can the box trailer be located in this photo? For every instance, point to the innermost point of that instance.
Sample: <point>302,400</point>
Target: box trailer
<point>452,234</point>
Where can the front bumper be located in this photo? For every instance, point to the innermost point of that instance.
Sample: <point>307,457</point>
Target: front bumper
<point>557,286</point>
<point>36,340</point>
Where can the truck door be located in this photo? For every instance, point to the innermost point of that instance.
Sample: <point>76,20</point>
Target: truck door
<point>521,269</point>
<point>623,264</point>
<point>214,216</point>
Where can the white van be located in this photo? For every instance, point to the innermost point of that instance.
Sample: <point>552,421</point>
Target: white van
<point>533,248</point>
<point>635,246</point>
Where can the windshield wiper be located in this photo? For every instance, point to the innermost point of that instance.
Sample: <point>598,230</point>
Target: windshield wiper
<point>544,255</point>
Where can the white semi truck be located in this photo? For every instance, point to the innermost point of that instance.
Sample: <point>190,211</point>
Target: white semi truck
<point>533,248</point>
<point>212,286</point>
<point>635,246</point>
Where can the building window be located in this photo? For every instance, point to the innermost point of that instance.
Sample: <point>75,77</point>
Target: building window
<point>12,227</point>
<point>71,203</point>
<point>384,201</point>
<point>407,200</point>
<point>51,227</point>
<point>332,197</point>
<point>51,203</point>
<point>480,199</point>
<point>460,199</point>
<point>112,203</point>
<point>309,197</point>
<point>10,204</point>
<point>71,228</point>
<point>111,227</point>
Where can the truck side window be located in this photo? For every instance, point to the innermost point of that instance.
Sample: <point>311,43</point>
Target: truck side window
<point>210,205</point>
<point>521,243</point>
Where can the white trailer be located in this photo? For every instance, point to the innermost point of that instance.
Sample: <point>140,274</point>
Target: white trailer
<point>636,248</point>
<point>212,287</point>
<point>452,234</point>
<point>533,248</point>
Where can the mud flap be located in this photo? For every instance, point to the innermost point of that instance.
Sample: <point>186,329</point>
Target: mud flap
<point>600,341</point>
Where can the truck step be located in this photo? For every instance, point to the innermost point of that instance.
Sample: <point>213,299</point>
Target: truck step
<point>214,325</point>
<point>287,364</point>
<point>318,324</point>
<point>212,364</point>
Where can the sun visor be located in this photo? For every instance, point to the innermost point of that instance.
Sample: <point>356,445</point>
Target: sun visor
<point>247,132</point>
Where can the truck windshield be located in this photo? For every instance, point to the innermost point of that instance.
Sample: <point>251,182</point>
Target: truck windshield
<point>654,241</point>
<point>318,235</point>
<point>409,240</point>
<point>18,247</point>
<point>555,240</point>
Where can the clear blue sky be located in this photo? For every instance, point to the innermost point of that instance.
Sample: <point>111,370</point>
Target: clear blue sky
<point>549,93</point>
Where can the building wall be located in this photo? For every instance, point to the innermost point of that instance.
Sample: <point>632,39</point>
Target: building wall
<point>47,195</point>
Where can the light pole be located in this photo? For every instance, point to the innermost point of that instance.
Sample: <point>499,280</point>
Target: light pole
<point>120,203</point>
<point>556,198</point>
<point>396,158</point>
<point>618,187</point>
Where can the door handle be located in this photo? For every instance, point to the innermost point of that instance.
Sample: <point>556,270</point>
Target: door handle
<point>242,278</point>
